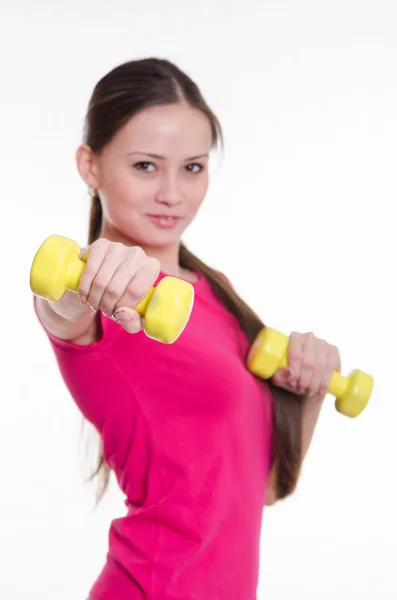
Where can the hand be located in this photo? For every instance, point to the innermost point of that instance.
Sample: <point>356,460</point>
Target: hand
<point>115,279</point>
<point>311,363</point>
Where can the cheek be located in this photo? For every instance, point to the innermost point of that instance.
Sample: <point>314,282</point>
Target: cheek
<point>124,194</point>
<point>195,193</point>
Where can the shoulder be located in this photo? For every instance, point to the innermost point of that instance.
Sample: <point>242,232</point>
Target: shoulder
<point>224,279</point>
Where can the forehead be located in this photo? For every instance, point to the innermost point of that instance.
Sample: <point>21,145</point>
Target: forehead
<point>165,130</point>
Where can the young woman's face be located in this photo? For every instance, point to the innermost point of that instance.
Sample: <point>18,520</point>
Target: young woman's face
<point>153,175</point>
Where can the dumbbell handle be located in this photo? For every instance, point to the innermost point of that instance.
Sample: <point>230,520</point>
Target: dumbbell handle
<point>76,269</point>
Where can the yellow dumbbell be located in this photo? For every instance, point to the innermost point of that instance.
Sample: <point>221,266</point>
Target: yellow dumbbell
<point>57,267</point>
<point>269,352</point>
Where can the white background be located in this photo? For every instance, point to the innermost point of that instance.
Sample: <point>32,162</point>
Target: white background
<point>299,216</point>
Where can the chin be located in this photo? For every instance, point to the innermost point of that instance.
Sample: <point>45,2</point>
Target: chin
<point>155,239</point>
<point>142,233</point>
<point>161,241</point>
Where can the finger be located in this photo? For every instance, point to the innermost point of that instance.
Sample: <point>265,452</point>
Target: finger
<point>128,318</point>
<point>295,353</point>
<point>140,284</point>
<point>100,282</point>
<point>304,383</point>
<point>308,363</point>
<point>116,286</point>
<point>332,364</point>
<point>318,360</point>
<point>94,261</point>
<point>316,384</point>
<point>281,377</point>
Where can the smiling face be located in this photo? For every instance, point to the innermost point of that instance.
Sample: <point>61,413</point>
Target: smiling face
<point>153,175</point>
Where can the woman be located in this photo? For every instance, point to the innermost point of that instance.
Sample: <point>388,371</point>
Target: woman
<point>197,443</point>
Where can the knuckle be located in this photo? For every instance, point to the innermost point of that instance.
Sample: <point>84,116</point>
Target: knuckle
<point>323,389</point>
<point>98,283</point>
<point>134,251</point>
<point>112,292</point>
<point>309,338</point>
<point>138,290</point>
<point>154,265</point>
<point>89,273</point>
<point>309,363</point>
<point>84,285</point>
<point>294,344</point>
<point>296,340</point>
<point>118,248</point>
<point>100,243</point>
<point>137,253</point>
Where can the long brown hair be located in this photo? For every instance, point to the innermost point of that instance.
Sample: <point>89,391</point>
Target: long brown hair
<point>118,96</point>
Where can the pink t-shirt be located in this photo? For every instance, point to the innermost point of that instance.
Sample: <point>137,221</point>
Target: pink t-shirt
<point>187,430</point>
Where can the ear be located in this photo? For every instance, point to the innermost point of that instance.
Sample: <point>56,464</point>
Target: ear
<point>87,167</point>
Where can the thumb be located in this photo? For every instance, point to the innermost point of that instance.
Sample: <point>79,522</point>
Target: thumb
<point>281,376</point>
<point>128,318</point>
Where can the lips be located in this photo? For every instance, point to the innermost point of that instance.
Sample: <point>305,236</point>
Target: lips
<point>165,216</point>
<point>164,221</point>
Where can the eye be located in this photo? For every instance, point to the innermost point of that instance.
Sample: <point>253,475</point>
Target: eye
<point>194,168</point>
<point>145,166</point>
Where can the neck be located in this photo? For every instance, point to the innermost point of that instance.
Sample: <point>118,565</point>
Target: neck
<point>168,256</point>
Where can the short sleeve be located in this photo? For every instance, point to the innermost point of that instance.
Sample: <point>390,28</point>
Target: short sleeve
<point>88,373</point>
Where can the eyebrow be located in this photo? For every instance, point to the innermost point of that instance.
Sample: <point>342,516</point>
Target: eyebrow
<point>163,157</point>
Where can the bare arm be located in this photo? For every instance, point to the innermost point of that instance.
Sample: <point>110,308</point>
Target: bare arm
<point>311,363</point>
<point>311,408</point>
<point>69,319</point>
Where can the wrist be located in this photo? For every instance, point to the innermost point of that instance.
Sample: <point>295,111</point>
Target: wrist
<point>70,307</point>
<point>313,401</point>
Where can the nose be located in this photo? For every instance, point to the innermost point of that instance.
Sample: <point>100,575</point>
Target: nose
<point>169,192</point>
